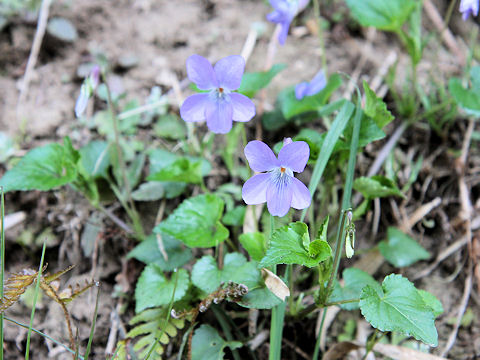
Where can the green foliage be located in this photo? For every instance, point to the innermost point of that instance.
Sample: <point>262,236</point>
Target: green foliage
<point>151,327</point>
<point>376,186</point>
<point>432,302</point>
<point>400,249</point>
<point>196,222</point>
<point>181,170</point>
<point>255,244</point>
<point>375,108</point>
<point>468,98</point>
<point>235,216</point>
<point>7,147</point>
<point>148,251</point>
<point>207,276</point>
<point>207,344</point>
<point>291,245</point>
<point>154,289</point>
<point>43,168</point>
<point>384,15</point>
<point>291,107</point>
<point>95,159</point>
<point>355,280</point>
<point>399,307</point>
<point>170,126</point>
<point>255,81</point>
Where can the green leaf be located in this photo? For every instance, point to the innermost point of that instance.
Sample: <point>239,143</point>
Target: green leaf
<point>170,126</point>
<point>400,249</point>
<point>376,108</point>
<point>207,276</point>
<point>149,191</point>
<point>134,171</point>
<point>196,222</point>
<point>355,280</point>
<point>399,307</point>
<point>95,159</point>
<point>231,150</point>
<point>148,251</point>
<point>154,289</point>
<point>235,216</point>
<point>288,246</point>
<point>376,186</point>
<point>162,159</point>
<point>62,29</point>
<point>467,97</point>
<point>322,231</point>
<point>43,168</point>
<point>290,106</point>
<point>369,132</point>
<point>207,344</point>
<point>384,15</point>
<point>255,81</point>
<point>181,170</point>
<point>432,302</point>
<point>254,243</point>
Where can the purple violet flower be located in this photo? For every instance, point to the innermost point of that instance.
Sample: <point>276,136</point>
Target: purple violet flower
<point>468,7</point>
<point>220,105</point>
<point>283,14</point>
<point>276,184</point>
<point>311,88</point>
<point>86,91</point>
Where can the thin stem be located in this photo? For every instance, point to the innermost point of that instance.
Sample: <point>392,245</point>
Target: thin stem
<point>44,335</point>
<point>321,38</point>
<point>123,167</point>
<point>278,316</point>
<point>338,252</point>
<point>2,265</point>
<point>319,337</point>
<point>35,297</point>
<point>226,328</point>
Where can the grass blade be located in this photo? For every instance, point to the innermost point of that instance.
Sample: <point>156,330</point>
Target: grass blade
<point>35,297</point>
<point>43,334</point>
<point>94,321</point>
<point>341,120</point>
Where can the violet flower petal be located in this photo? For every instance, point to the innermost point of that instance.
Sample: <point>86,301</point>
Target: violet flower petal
<point>82,101</point>
<point>243,107</point>
<point>300,90</point>
<point>254,190</point>
<point>193,108</point>
<point>317,84</point>
<point>219,116</point>
<point>301,197</point>
<point>200,71</point>
<point>294,156</point>
<point>279,198</point>
<point>229,72</point>
<point>468,7</point>
<point>260,157</point>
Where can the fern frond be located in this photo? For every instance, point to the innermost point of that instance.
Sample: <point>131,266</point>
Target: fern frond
<point>49,278</point>
<point>15,285</point>
<point>150,324</point>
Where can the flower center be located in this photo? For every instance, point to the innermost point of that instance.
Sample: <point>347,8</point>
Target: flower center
<point>281,176</point>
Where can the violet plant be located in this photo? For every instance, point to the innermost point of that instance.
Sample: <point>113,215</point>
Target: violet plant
<point>175,289</point>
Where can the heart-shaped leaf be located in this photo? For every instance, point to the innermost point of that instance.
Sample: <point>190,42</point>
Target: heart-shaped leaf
<point>154,289</point>
<point>291,245</point>
<point>400,249</point>
<point>399,307</point>
<point>196,222</point>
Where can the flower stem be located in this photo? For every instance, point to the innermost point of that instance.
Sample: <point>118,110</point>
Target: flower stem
<point>278,315</point>
<point>134,216</point>
<point>321,38</point>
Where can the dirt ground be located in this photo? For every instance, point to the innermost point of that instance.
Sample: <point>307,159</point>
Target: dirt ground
<point>161,35</point>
